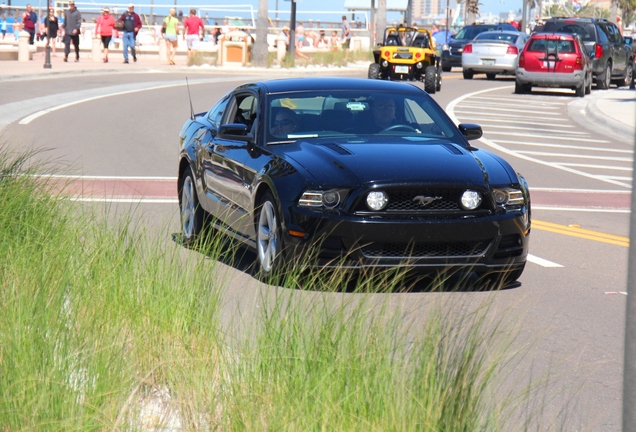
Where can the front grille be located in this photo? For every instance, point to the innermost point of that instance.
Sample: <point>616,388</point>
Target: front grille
<point>424,250</point>
<point>427,203</point>
<point>406,200</point>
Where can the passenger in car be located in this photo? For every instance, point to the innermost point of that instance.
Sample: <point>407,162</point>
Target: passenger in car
<point>285,122</point>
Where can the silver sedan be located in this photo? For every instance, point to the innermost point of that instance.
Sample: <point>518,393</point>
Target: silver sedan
<point>492,53</point>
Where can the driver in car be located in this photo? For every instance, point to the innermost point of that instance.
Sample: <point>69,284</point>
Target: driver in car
<point>382,115</point>
<point>285,123</point>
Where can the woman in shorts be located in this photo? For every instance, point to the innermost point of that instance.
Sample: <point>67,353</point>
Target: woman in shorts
<point>105,25</point>
<point>171,31</point>
<point>51,26</point>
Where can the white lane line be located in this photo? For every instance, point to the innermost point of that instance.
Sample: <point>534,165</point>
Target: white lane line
<point>516,117</point>
<point>566,155</point>
<point>529,102</point>
<point>502,106</point>
<point>549,137</point>
<point>89,177</point>
<point>38,114</point>
<point>546,131</point>
<point>542,262</point>
<point>578,190</point>
<point>565,146</point>
<point>450,111</point>
<point>609,167</point>
<point>128,200</point>
<point>483,117</point>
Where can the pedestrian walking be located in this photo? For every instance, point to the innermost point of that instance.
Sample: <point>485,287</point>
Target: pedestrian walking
<point>193,31</point>
<point>51,26</point>
<point>72,25</point>
<point>104,29</point>
<point>346,33</point>
<point>170,32</point>
<point>132,25</point>
<point>29,21</point>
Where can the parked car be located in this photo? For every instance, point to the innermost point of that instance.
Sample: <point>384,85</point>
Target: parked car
<point>307,169</point>
<point>408,54</point>
<point>492,53</point>
<point>554,60</point>
<point>612,55</point>
<point>452,52</point>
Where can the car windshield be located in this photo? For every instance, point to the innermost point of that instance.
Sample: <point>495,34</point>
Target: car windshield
<point>353,115</point>
<point>586,31</point>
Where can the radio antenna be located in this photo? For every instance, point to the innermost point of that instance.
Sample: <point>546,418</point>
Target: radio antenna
<point>190,97</point>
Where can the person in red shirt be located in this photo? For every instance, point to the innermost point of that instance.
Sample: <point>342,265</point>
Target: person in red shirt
<point>194,29</point>
<point>105,24</point>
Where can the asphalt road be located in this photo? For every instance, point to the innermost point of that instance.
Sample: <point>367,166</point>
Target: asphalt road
<point>119,133</point>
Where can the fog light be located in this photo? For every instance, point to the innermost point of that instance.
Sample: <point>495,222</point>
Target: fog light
<point>419,65</point>
<point>385,63</point>
<point>377,200</point>
<point>471,199</point>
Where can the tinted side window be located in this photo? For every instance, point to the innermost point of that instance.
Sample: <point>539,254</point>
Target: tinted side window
<point>216,113</point>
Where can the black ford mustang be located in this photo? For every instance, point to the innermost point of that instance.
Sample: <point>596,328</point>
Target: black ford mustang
<point>352,173</point>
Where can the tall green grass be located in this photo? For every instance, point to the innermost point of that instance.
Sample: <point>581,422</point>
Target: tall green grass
<point>102,322</point>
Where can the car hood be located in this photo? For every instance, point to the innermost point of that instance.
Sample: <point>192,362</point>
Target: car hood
<point>339,164</point>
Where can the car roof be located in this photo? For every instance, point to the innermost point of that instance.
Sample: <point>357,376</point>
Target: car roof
<point>334,83</point>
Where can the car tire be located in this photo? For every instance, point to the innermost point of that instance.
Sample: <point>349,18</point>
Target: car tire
<point>446,68</point>
<point>374,71</point>
<point>627,81</point>
<point>580,90</point>
<point>491,76</point>
<point>430,79</point>
<point>438,87</point>
<point>191,214</point>
<point>269,244</point>
<point>603,80</point>
<point>468,74</point>
<point>522,88</point>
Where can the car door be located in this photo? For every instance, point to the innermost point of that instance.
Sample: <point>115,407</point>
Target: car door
<point>619,48</point>
<point>224,162</point>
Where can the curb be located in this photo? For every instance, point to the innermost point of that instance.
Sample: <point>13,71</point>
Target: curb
<point>607,122</point>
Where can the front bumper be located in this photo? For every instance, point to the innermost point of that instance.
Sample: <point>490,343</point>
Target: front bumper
<point>452,58</point>
<point>551,79</point>
<point>495,242</point>
<point>402,72</point>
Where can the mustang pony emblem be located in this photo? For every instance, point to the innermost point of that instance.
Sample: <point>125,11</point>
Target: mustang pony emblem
<point>424,200</point>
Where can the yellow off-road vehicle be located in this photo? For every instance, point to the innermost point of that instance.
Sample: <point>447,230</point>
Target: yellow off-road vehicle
<point>408,54</point>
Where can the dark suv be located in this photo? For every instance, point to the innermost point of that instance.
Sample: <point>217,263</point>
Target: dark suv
<point>612,57</point>
<point>452,52</point>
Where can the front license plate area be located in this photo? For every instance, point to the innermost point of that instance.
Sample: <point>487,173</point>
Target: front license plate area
<point>402,69</point>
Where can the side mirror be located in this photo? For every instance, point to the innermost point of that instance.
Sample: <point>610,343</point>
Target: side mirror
<point>237,131</point>
<point>629,40</point>
<point>470,131</point>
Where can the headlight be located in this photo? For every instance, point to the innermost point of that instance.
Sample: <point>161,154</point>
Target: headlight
<point>385,63</point>
<point>419,65</point>
<point>377,200</point>
<point>508,197</point>
<point>321,199</point>
<point>471,199</point>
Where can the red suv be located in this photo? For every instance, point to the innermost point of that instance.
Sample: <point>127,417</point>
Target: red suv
<point>554,60</point>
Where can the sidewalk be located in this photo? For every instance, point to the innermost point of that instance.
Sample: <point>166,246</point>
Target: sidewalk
<point>613,110</point>
<point>146,62</point>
